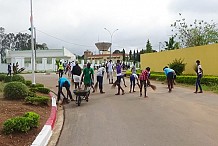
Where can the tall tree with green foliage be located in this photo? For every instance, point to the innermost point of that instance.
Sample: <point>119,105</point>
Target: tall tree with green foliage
<point>130,55</point>
<point>124,55</point>
<point>137,55</point>
<point>171,44</point>
<point>197,33</point>
<point>148,47</point>
<point>134,56</point>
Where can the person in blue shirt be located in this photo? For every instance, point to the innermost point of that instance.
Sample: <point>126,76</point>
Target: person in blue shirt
<point>170,76</point>
<point>64,82</point>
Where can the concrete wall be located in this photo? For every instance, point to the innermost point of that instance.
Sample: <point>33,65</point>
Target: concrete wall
<point>208,55</point>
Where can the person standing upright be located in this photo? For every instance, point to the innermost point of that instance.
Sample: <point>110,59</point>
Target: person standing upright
<point>9,69</point>
<point>76,72</point>
<point>144,81</point>
<point>88,76</point>
<point>110,71</point>
<point>119,76</point>
<point>199,72</point>
<point>100,75</point>
<point>60,69</point>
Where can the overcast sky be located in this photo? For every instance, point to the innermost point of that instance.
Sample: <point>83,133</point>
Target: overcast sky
<point>79,24</point>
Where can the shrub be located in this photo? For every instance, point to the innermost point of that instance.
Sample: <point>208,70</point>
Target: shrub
<point>18,78</point>
<point>37,85</point>
<point>34,119</point>
<point>28,83</point>
<point>178,66</point>
<point>32,94</point>
<point>2,77</point>
<point>15,90</point>
<point>33,89</point>
<point>7,79</point>
<point>21,124</point>
<point>43,90</point>
<point>38,100</point>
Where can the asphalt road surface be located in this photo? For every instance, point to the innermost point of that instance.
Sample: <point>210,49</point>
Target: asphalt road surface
<point>179,118</point>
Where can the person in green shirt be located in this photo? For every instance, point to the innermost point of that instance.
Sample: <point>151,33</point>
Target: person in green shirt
<point>88,76</point>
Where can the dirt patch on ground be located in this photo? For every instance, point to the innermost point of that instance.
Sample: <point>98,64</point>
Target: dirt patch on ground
<point>9,109</point>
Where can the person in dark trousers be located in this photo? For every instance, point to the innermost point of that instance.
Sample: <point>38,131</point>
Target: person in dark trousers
<point>199,72</point>
<point>60,69</point>
<point>9,69</point>
<point>100,75</point>
<point>170,77</point>
<point>119,76</point>
<point>76,72</point>
<point>144,81</point>
<point>63,82</point>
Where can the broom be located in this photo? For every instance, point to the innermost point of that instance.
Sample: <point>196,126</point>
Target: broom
<point>153,87</point>
<point>114,85</point>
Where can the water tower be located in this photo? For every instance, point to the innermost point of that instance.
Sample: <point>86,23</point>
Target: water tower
<point>103,47</point>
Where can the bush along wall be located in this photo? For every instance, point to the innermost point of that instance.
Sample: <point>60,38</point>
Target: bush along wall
<point>22,123</point>
<point>207,80</point>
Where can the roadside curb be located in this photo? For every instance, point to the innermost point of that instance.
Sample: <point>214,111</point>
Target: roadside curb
<point>44,136</point>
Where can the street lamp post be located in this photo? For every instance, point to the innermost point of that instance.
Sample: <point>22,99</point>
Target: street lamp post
<point>32,45</point>
<point>111,34</point>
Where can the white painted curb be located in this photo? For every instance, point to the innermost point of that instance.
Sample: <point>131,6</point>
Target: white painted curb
<point>44,136</point>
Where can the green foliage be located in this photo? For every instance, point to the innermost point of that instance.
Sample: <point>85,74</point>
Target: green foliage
<point>33,89</point>
<point>178,66</point>
<point>37,85</point>
<point>2,77</point>
<point>32,94</point>
<point>21,124</point>
<point>18,78</point>
<point>15,90</point>
<point>38,100</point>
<point>43,90</point>
<point>197,33</point>
<point>171,44</point>
<point>148,47</point>
<point>34,119</point>
<point>7,79</point>
<point>28,83</point>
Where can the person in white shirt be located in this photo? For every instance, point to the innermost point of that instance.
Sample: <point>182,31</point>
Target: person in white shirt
<point>71,66</point>
<point>100,75</point>
<point>199,73</point>
<point>110,71</point>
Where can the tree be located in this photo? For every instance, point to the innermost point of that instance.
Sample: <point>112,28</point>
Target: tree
<point>137,55</point>
<point>124,55</point>
<point>134,57</point>
<point>116,52</point>
<point>197,33</point>
<point>148,47</point>
<point>171,44</point>
<point>130,55</point>
<point>2,36</point>
<point>23,41</point>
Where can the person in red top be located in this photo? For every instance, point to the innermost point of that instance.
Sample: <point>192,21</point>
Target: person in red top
<point>144,80</point>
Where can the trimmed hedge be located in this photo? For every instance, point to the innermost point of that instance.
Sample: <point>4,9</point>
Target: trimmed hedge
<point>28,83</point>
<point>21,124</point>
<point>38,100</point>
<point>18,78</point>
<point>2,77</point>
<point>8,79</point>
<point>43,90</point>
<point>207,80</point>
<point>15,90</point>
<point>37,85</point>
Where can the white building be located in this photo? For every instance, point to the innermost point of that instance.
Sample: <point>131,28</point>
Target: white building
<point>45,59</point>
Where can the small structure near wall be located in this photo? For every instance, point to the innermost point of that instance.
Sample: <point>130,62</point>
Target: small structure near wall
<point>45,59</point>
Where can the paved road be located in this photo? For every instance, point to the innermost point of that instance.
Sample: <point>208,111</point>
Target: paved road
<point>180,118</point>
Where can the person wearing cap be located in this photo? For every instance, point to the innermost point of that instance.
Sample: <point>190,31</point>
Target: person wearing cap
<point>63,82</point>
<point>170,76</point>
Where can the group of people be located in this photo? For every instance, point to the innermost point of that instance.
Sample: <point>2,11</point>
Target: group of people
<point>14,67</point>
<point>142,80</point>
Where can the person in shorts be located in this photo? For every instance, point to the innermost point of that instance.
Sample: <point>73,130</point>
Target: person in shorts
<point>88,77</point>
